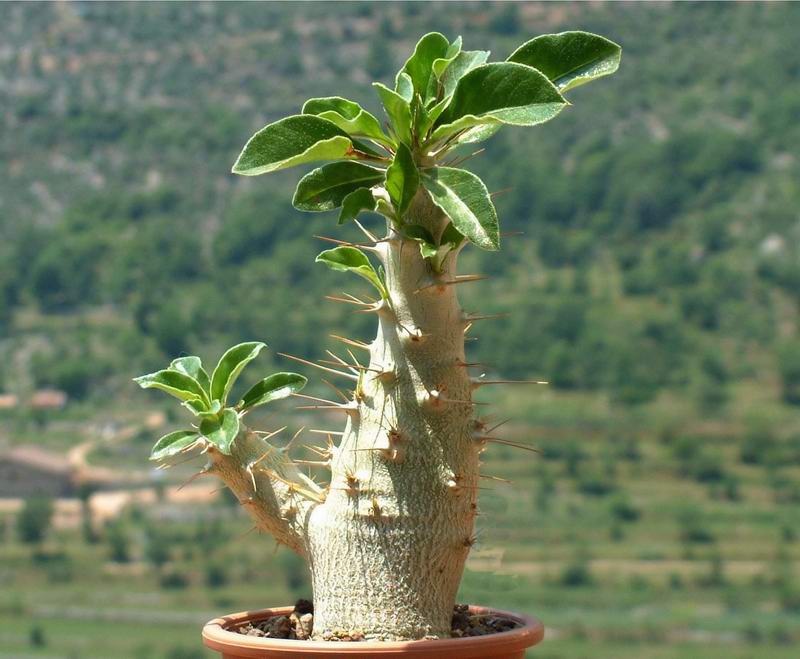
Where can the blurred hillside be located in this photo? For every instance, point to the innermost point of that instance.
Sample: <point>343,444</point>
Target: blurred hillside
<point>660,213</point>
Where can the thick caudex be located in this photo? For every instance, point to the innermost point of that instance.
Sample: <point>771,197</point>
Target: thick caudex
<point>386,539</point>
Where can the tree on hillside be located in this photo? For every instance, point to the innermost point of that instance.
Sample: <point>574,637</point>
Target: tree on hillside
<point>34,520</point>
<point>789,369</point>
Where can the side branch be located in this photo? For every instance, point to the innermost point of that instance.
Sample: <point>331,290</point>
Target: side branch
<point>268,484</point>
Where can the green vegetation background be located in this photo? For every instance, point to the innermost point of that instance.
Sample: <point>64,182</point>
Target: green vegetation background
<point>655,284</point>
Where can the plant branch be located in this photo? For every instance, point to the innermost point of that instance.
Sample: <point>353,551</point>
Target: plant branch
<point>267,483</point>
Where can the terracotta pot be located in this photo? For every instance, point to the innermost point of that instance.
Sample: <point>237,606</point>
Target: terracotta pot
<point>503,645</point>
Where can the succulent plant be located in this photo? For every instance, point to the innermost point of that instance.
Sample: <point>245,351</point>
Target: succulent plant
<point>386,540</point>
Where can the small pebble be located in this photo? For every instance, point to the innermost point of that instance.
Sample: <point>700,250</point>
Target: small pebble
<point>304,627</point>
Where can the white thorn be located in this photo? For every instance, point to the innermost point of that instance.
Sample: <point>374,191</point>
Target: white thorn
<point>349,376</point>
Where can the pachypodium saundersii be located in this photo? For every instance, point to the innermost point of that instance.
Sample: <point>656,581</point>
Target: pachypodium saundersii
<point>387,538</point>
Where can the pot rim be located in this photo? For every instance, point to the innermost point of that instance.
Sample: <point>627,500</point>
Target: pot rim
<point>217,637</point>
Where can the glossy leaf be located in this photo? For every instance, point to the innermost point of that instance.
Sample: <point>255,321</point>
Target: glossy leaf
<point>231,365</point>
<point>176,384</point>
<point>221,431</point>
<point>350,259</point>
<point>277,385</point>
<point>355,202</point>
<point>500,93</point>
<point>292,141</point>
<point>465,200</point>
<point>193,367</point>
<point>463,63</point>
<point>402,178</point>
<point>325,188</point>
<point>347,115</point>
<point>173,443</point>
<point>398,110</point>
<point>419,66</point>
<point>570,59</point>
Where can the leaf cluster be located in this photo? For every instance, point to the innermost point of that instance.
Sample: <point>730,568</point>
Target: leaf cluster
<point>207,397</point>
<point>443,97</point>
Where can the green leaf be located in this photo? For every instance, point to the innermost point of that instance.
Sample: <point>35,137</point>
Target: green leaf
<point>427,250</point>
<point>198,408</point>
<point>570,59</point>
<point>435,87</point>
<point>450,240</point>
<point>173,443</point>
<point>440,64</point>
<point>383,207</point>
<point>350,259</point>
<point>214,409</point>
<point>347,115</point>
<point>360,147</point>
<point>292,141</point>
<point>478,134</point>
<point>325,188</point>
<point>500,93</point>
<point>427,244</point>
<point>465,200</point>
<point>230,366</point>
<point>464,62</point>
<point>419,66</point>
<point>193,367</point>
<point>418,114</point>
<point>402,178</point>
<point>417,232</point>
<point>451,236</point>
<point>355,202</point>
<point>277,385</point>
<point>430,116</point>
<point>176,384</point>
<point>404,87</point>
<point>221,431</point>
<point>398,110</point>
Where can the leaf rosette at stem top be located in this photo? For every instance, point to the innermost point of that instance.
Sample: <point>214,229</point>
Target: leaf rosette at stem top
<point>443,97</point>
